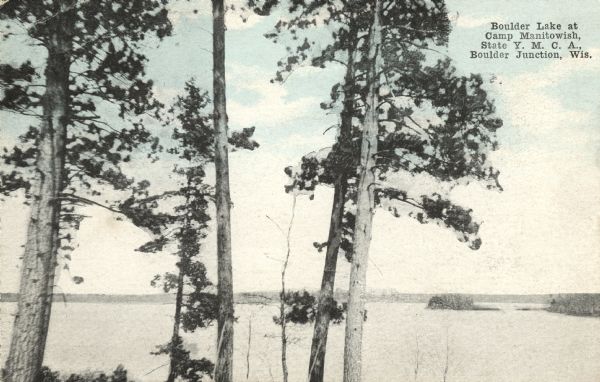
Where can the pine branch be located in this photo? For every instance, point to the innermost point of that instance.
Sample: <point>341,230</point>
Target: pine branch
<point>79,199</point>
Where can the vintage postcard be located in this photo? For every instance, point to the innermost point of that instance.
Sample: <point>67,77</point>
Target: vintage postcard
<point>300,190</point>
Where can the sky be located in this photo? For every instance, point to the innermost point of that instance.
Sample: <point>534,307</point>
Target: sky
<point>540,235</point>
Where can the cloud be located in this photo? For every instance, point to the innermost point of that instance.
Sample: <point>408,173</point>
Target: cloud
<point>165,94</point>
<point>241,21</point>
<point>468,21</point>
<point>261,102</point>
<point>536,102</point>
<point>534,115</point>
<point>236,18</point>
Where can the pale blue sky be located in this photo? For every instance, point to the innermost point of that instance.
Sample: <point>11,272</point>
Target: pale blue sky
<point>541,235</point>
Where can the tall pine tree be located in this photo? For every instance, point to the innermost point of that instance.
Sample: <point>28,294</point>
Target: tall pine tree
<point>430,121</point>
<point>224,365</point>
<point>93,58</point>
<point>179,218</point>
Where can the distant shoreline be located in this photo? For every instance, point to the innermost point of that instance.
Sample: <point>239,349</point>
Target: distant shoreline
<point>268,297</point>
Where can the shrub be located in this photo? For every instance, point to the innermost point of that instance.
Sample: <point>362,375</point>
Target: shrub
<point>118,375</point>
<point>582,304</point>
<point>451,301</point>
<point>301,308</point>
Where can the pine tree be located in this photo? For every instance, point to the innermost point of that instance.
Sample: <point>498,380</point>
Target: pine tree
<point>184,227</point>
<point>430,121</point>
<point>224,365</point>
<point>92,58</point>
<point>365,208</point>
<point>180,218</point>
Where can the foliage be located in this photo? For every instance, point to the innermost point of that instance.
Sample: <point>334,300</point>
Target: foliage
<point>301,308</point>
<point>118,375</point>
<point>432,122</point>
<point>450,301</point>
<point>179,218</point>
<point>581,304</point>
<point>107,67</point>
<point>110,99</point>
<point>187,368</point>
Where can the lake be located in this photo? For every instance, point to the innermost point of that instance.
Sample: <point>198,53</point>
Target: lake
<point>508,345</point>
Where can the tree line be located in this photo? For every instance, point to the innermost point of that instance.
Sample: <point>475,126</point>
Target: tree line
<point>403,110</point>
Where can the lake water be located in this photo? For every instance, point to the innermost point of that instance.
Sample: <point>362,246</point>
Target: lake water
<point>484,346</point>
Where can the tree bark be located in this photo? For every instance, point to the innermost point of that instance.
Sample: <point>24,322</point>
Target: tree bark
<point>364,214</point>
<point>175,339</point>
<point>31,323</point>
<point>316,369</point>
<point>323,317</point>
<point>224,364</point>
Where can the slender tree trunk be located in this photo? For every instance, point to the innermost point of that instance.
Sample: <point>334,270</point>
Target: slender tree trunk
<point>283,323</point>
<point>224,364</point>
<point>249,346</point>
<point>364,214</point>
<point>316,369</point>
<point>175,339</point>
<point>30,328</point>
<point>283,326</point>
<point>183,264</point>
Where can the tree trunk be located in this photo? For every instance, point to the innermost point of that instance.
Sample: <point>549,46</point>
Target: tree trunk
<point>30,328</point>
<point>283,326</point>
<point>364,214</point>
<point>316,369</point>
<point>283,323</point>
<point>175,339</point>
<point>224,364</point>
<point>319,342</point>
